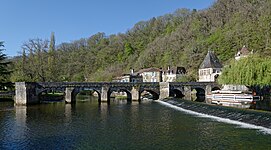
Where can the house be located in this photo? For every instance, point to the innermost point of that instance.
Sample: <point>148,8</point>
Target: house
<point>150,74</point>
<point>244,52</point>
<point>172,74</point>
<point>132,77</point>
<point>123,78</point>
<point>135,77</point>
<point>210,68</point>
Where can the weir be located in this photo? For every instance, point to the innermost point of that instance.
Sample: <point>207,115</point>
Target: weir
<point>245,118</point>
<point>29,92</point>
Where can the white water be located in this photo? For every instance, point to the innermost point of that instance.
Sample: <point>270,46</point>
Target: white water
<point>219,119</point>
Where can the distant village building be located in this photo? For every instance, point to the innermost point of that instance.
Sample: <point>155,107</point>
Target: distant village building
<point>210,68</point>
<point>172,74</point>
<point>133,77</point>
<point>244,52</point>
<point>123,78</point>
<point>151,74</point>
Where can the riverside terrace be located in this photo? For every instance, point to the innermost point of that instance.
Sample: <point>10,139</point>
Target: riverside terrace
<point>29,92</point>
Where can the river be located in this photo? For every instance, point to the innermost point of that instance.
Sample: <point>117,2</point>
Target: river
<point>121,125</point>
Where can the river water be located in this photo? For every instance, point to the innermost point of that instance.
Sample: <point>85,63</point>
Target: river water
<point>121,125</point>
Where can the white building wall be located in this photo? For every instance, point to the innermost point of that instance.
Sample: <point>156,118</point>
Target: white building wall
<point>169,77</point>
<point>208,74</point>
<point>150,76</point>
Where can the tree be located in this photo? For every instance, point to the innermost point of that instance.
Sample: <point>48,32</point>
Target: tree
<point>33,64</point>
<point>52,72</point>
<point>4,72</point>
<point>250,71</point>
<point>128,49</point>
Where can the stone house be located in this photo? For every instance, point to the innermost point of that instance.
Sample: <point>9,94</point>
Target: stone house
<point>210,68</point>
<point>123,78</point>
<point>150,74</point>
<point>172,74</point>
<point>243,52</point>
<point>135,77</point>
<point>129,78</point>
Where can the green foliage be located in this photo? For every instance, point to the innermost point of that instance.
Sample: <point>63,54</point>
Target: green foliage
<point>4,69</point>
<point>185,78</point>
<point>250,71</point>
<point>128,49</point>
<point>3,64</point>
<point>52,65</point>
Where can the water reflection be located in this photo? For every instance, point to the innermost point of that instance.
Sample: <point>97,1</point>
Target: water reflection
<point>20,116</point>
<point>104,111</point>
<point>264,104</point>
<point>120,125</point>
<point>20,131</point>
<point>68,112</point>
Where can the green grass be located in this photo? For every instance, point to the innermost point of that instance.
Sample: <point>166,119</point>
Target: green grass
<point>53,94</point>
<point>120,97</point>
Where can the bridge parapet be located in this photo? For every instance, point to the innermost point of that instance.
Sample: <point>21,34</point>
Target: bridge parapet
<point>193,83</point>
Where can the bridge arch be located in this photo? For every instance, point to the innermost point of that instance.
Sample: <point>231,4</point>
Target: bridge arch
<point>200,94</point>
<point>119,92</point>
<point>73,92</point>
<point>93,91</point>
<point>149,94</point>
<point>177,93</point>
<point>47,94</point>
<point>215,88</point>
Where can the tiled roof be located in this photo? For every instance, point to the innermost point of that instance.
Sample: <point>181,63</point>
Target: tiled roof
<point>175,70</point>
<point>149,70</point>
<point>210,61</point>
<point>244,51</point>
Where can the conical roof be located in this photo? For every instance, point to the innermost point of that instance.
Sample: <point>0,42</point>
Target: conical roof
<point>210,61</point>
<point>244,51</point>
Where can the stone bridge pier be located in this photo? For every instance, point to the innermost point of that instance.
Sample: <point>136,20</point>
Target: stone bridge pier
<point>26,93</point>
<point>164,90</point>
<point>105,97</point>
<point>208,89</point>
<point>69,95</point>
<point>187,92</point>
<point>135,94</point>
<point>103,92</point>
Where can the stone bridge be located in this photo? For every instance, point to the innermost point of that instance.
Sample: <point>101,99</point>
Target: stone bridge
<point>30,92</point>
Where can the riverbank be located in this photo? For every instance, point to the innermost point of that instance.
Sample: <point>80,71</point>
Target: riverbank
<point>254,117</point>
<point>6,96</point>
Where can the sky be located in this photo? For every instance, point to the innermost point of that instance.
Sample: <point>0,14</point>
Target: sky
<point>21,20</point>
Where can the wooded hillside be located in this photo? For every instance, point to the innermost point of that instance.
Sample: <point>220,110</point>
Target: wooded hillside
<point>178,39</point>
